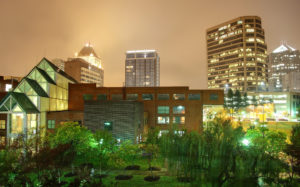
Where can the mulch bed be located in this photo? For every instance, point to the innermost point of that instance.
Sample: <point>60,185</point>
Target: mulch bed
<point>123,177</point>
<point>152,178</point>
<point>133,167</point>
<point>154,169</point>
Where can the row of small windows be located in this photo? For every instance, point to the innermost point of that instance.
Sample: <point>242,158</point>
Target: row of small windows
<point>145,97</point>
<point>166,120</point>
<point>166,110</point>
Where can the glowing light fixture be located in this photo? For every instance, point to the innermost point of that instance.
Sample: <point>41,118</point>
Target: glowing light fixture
<point>246,142</point>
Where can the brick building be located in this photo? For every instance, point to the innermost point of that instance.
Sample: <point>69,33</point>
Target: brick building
<point>163,106</point>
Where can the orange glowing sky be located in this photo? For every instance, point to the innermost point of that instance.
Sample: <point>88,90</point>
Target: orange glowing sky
<point>32,29</point>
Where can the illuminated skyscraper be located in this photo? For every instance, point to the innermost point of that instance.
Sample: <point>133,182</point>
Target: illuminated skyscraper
<point>284,68</point>
<point>236,55</point>
<point>142,68</point>
<point>86,67</point>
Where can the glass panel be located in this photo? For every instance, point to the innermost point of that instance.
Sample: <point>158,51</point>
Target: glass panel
<point>163,96</point>
<point>51,124</point>
<point>213,97</point>
<point>194,96</point>
<point>178,96</point>
<point>17,109</point>
<point>178,110</point>
<point>163,109</point>
<point>179,120</point>
<point>147,96</point>
<point>163,120</point>
<point>17,123</point>
<point>102,97</point>
<point>133,97</point>
<point>53,91</point>
<point>116,97</point>
<point>34,100</point>
<point>87,97</point>
<point>2,124</point>
<point>53,103</point>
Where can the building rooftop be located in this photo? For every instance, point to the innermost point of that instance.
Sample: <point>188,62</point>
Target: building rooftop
<point>283,48</point>
<point>87,50</point>
<point>142,51</point>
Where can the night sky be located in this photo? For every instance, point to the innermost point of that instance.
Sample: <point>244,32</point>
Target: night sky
<point>30,30</point>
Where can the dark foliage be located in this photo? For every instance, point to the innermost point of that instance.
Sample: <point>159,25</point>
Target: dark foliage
<point>151,178</point>
<point>133,167</point>
<point>123,177</point>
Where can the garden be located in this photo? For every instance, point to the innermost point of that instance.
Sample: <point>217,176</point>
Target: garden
<point>221,155</point>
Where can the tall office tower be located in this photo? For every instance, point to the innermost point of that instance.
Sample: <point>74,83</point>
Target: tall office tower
<point>284,61</point>
<point>142,68</point>
<point>86,67</point>
<point>236,55</point>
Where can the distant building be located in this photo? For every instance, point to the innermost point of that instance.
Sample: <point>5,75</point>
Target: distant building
<point>236,55</point>
<point>142,68</point>
<point>86,67</point>
<point>291,82</point>
<point>285,104</point>
<point>284,62</point>
<point>60,63</point>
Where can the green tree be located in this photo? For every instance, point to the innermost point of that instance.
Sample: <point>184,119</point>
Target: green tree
<point>293,150</point>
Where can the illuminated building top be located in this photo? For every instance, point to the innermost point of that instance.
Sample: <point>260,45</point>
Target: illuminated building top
<point>88,54</point>
<point>282,48</point>
<point>141,51</point>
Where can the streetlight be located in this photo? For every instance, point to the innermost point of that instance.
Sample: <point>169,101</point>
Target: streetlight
<point>245,142</point>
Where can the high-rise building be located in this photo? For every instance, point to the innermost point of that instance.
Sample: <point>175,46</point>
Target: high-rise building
<point>284,62</point>
<point>86,67</point>
<point>142,68</point>
<point>236,55</point>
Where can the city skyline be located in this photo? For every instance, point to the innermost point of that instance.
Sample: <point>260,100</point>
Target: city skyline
<point>31,30</point>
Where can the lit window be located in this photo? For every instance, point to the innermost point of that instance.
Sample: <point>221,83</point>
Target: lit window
<point>147,96</point>
<point>179,120</point>
<point>213,97</point>
<point>194,96</point>
<point>178,110</point>
<point>8,87</point>
<point>108,125</point>
<point>102,97</point>
<point>178,96</point>
<point>250,30</point>
<point>163,109</point>
<point>51,124</point>
<point>163,120</point>
<point>161,132</point>
<point>2,124</point>
<point>163,96</point>
<point>116,97</point>
<point>87,97</point>
<point>132,97</point>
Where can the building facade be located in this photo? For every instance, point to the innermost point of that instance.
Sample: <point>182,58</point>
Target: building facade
<point>142,68</point>
<point>284,67</point>
<point>44,89</point>
<point>163,107</point>
<point>284,104</point>
<point>86,67</point>
<point>124,119</point>
<point>236,55</point>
